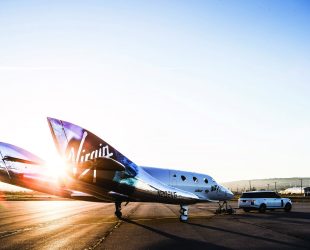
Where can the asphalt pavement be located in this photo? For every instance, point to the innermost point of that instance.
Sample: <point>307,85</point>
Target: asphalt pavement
<point>89,225</point>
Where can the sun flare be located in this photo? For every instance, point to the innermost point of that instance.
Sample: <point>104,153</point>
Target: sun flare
<point>57,167</point>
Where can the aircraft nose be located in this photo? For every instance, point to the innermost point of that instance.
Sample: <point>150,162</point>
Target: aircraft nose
<point>230,194</point>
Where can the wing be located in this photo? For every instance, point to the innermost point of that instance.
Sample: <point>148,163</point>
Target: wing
<point>21,168</point>
<point>15,159</point>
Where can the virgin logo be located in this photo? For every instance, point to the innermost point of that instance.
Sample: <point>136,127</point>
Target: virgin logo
<point>82,155</point>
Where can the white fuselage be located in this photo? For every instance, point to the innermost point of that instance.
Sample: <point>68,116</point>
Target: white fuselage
<point>204,186</point>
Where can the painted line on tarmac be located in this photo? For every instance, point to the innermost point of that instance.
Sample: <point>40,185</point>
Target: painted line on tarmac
<point>109,232</point>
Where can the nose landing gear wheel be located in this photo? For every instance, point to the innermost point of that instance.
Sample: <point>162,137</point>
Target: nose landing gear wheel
<point>184,213</point>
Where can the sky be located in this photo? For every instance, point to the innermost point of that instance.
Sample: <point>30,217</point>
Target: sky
<point>216,87</point>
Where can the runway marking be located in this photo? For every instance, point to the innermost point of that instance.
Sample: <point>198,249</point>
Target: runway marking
<point>5,234</point>
<point>10,233</point>
<point>109,232</point>
<point>120,222</point>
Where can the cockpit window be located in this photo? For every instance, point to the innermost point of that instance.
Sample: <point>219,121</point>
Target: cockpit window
<point>183,177</point>
<point>206,180</point>
<point>195,179</point>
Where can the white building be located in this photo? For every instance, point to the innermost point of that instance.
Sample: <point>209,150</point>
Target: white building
<point>293,190</point>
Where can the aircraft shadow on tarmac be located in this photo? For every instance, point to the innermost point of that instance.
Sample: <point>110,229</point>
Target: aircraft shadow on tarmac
<point>174,241</point>
<point>283,222</point>
<point>304,216</point>
<point>177,242</point>
<point>255,237</point>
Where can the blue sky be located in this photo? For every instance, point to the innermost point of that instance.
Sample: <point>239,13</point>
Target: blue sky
<point>219,87</point>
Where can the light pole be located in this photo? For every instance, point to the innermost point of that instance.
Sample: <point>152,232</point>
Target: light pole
<point>300,186</point>
<point>268,186</point>
<point>250,185</point>
<point>275,186</point>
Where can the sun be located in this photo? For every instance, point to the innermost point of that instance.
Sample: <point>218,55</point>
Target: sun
<point>57,167</point>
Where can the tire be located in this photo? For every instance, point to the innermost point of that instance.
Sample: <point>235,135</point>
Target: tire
<point>118,214</point>
<point>288,207</point>
<point>218,211</point>
<point>262,208</point>
<point>230,211</point>
<point>246,210</point>
<point>183,218</point>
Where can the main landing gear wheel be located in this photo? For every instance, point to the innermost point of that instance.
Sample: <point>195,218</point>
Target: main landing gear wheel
<point>118,208</point>
<point>184,213</point>
<point>225,208</point>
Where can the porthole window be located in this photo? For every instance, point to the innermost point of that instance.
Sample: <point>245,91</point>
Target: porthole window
<point>183,177</point>
<point>195,179</point>
<point>174,175</point>
<point>207,191</point>
<point>206,180</point>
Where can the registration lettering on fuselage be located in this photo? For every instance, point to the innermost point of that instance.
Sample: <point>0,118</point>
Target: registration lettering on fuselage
<point>167,194</point>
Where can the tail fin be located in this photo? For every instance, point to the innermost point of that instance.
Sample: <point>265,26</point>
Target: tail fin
<point>77,145</point>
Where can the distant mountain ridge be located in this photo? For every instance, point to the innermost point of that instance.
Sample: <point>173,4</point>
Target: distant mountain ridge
<point>267,184</point>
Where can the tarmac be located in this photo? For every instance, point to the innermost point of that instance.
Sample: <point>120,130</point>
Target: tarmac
<point>88,225</point>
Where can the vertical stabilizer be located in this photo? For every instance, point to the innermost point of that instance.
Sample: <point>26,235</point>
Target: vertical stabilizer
<point>77,145</point>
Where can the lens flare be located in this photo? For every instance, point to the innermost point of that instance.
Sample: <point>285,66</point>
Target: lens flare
<point>56,168</point>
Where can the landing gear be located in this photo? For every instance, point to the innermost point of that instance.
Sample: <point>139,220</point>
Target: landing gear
<point>184,213</point>
<point>118,208</point>
<point>224,208</point>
